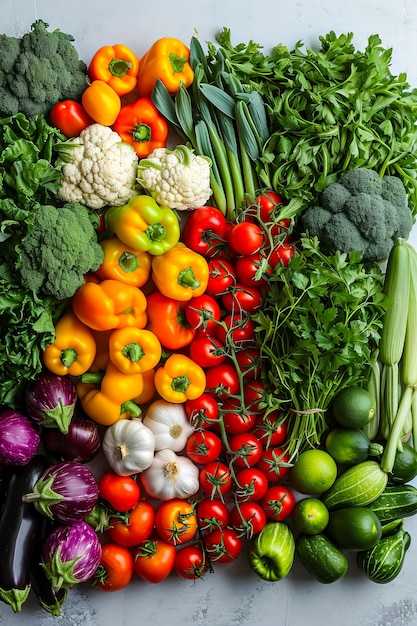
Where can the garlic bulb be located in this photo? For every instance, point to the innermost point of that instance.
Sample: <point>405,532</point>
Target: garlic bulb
<point>170,476</point>
<point>169,423</point>
<point>128,446</point>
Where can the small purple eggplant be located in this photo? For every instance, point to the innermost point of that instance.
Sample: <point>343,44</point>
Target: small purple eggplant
<point>50,401</point>
<point>19,438</point>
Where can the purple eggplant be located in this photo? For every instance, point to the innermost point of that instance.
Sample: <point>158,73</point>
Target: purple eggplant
<point>81,443</point>
<point>67,492</point>
<point>71,554</point>
<point>50,401</point>
<point>19,438</point>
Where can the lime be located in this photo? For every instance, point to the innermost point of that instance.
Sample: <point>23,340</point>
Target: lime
<point>313,472</point>
<point>310,516</point>
<point>353,407</point>
<point>404,468</point>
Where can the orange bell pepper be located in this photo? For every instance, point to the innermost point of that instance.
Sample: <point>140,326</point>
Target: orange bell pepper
<point>117,66</point>
<point>134,350</point>
<point>101,103</point>
<point>168,59</point>
<point>74,349</point>
<point>180,379</point>
<point>149,390</point>
<point>110,304</point>
<point>175,332</point>
<point>141,125</point>
<point>123,263</point>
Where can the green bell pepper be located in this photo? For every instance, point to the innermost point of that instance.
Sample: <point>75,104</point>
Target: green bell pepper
<point>271,553</point>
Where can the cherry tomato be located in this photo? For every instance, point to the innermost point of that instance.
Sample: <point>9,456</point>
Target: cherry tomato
<point>251,269</point>
<point>203,313</point>
<point>176,521</point>
<point>278,503</point>
<point>129,530</point>
<point>242,298</point>
<point>246,238</point>
<point>249,362</point>
<point>236,417</point>
<point>248,518</point>
<point>207,350</point>
<point>215,479</point>
<point>205,231</point>
<point>212,513</point>
<point>236,329</point>
<point>221,277</point>
<point>222,380</point>
<point>250,485</point>
<point>246,450</point>
<point>281,254</point>
<point>202,412</point>
<point>274,463</point>
<point>223,544</point>
<point>269,203</point>
<point>154,560</point>
<point>254,395</point>
<point>271,429</point>
<point>191,562</point>
<point>122,492</point>
<point>203,447</point>
<point>70,117</point>
<point>116,568</point>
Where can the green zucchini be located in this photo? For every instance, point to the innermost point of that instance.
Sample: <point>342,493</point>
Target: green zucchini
<point>321,557</point>
<point>395,502</point>
<point>359,485</point>
<point>354,528</point>
<point>384,561</point>
<point>350,446</point>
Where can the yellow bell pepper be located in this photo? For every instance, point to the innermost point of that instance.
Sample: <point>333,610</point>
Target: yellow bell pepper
<point>73,350</point>
<point>123,263</point>
<point>180,379</point>
<point>134,350</point>
<point>181,273</point>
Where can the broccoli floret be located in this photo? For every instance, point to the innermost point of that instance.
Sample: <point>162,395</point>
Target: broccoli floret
<point>38,70</point>
<point>61,247</point>
<point>361,211</point>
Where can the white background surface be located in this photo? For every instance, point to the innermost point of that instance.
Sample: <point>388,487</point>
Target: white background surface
<point>233,595</point>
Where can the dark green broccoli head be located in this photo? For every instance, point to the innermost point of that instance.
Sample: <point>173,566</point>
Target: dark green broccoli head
<point>38,70</point>
<point>60,249</point>
<point>361,211</point>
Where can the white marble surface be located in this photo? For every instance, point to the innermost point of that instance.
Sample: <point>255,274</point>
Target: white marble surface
<point>233,595</point>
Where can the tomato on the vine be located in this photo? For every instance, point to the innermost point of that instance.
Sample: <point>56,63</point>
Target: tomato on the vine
<point>274,463</point>
<point>221,276</point>
<point>202,412</point>
<point>133,527</point>
<point>246,450</point>
<point>236,329</point>
<point>278,502</point>
<point>251,269</point>
<point>207,350</point>
<point>250,485</point>
<point>154,560</point>
<point>176,521</point>
<point>249,362</point>
<point>205,231</point>
<point>122,492</point>
<point>282,253</point>
<point>222,380</point>
<point>223,544</point>
<point>116,568</point>
<point>212,513</point>
<point>240,297</point>
<point>203,446</point>
<point>191,562</point>
<point>245,238</point>
<point>215,479</point>
<point>203,313</point>
<point>269,203</point>
<point>271,429</point>
<point>236,417</point>
<point>248,518</point>
<point>254,395</point>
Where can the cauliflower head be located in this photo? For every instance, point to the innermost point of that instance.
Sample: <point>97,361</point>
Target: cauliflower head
<point>99,170</point>
<point>178,178</point>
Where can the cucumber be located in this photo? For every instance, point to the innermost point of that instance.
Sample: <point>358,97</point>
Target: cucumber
<point>354,528</point>
<point>395,502</point>
<point>349,446</point>
<point>359,485</point>
<point>321,557</point>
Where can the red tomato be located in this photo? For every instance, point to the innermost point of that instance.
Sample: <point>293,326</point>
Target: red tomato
<point>248,518</point>
<point>278,503</point>
<point>274,463</point>
<point>250,485</point>
<point>203,447</point>
<point>222,380</point>
<point>236,418</point>
<point>116,568</point>
<point>154,560</point>
<point>203,411</point>
<point>70,117</point>
<point>242,298</point>
<point>191,562</point>
<point>176,521</point>
<point>207,350</point>
<point>215,479</point>
<point>269,212</point>
<point>221,277</point>
<point>212,513</point>
<point>205,231</point>
<point>249,362</point>
<point>254,395</point>
<point>281,254</point>
<point>236,329</point>
<point>245,238</point>
<point>271,430</point>
<point>251,269</point>
<point>122,492</point>
<point>203,313</point>
<point>223,544</point>
<point>246,450</point>
<point>136,526</point>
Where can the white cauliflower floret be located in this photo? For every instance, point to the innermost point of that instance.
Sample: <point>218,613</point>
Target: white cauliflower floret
<point>101,169</point>
<point>178,178</point>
